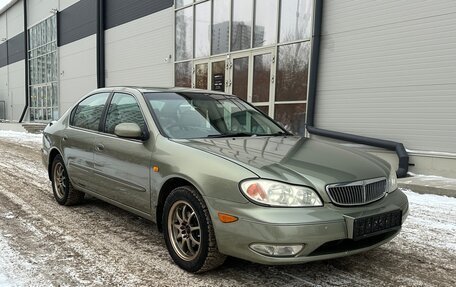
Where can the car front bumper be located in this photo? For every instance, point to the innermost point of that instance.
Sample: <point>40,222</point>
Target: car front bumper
<point>325,232</point>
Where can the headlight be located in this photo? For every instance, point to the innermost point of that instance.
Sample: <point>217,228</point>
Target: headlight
<point>276,193</point>
<point>392,181</point>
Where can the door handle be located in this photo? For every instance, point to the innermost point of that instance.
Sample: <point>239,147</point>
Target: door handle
<point>64,138</point>
<point>99,147</point>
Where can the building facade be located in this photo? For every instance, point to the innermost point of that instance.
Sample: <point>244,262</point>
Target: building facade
<point>386,69</point>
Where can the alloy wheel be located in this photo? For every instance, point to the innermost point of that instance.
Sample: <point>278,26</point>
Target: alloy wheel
<point>184,230</point>
<point>59,180</point>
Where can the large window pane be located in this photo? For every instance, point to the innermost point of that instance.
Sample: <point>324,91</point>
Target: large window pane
<point>295,20</point>
<point>220,26</point>
<point>202,29</point>
<point>240,77</point>
<point>292,71</point>
<point>292,117</point>
<point>265,23</point>
<point>241,29</point>
<point>184,34</point>
<point>183,74</point>
<point>261,77</point>
<point>181,3</point>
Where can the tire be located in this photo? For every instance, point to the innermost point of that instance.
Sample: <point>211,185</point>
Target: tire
<point>64,192</point>
<point>188,231</point>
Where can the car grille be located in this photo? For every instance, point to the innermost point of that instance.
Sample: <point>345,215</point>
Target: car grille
<point>358,192</point>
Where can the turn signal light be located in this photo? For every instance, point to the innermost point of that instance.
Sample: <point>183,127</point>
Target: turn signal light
<point>226,218</point>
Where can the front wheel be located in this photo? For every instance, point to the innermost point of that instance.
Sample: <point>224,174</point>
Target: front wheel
<point>64,192</point>
<point>188,231</point>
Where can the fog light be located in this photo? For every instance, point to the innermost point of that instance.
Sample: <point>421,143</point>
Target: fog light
<point>277,250</point>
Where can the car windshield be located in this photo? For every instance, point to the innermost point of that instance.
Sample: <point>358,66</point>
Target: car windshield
<point>201,115</point>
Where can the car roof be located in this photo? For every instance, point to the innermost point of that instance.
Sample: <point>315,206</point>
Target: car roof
<point>168,90</point>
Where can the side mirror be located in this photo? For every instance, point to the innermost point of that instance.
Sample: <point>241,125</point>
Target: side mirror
<point>128,130</point>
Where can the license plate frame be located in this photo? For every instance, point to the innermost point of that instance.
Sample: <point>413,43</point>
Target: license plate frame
<point>372,225</point>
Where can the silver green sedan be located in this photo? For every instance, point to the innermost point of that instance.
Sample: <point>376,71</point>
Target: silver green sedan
<point>221,178</point>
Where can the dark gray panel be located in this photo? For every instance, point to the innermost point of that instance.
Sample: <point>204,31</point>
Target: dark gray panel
<point>3,54</point>
<point>77,21</point>
<point>16,48</point>
<point>119,12</point>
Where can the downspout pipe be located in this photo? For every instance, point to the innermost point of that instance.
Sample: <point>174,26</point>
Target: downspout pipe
<point>100,44</point>
<point>26,63</point>
<point>314,63</point>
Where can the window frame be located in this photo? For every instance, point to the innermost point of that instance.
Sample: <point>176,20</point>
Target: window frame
<point>73,111</point>
<point>104,117</point>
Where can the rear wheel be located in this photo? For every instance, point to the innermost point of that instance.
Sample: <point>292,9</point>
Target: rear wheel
<point>64,192</point>
<point>188,231</point>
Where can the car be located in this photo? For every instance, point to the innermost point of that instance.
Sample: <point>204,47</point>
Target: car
<point>220,178</point>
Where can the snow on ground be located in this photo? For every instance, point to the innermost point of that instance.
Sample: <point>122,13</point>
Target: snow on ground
<point>21,138</point>
<point>43,244</point>
<point>423,217</point>
<point>432,178</point>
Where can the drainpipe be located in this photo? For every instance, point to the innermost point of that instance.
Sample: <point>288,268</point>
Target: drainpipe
<point>26,63</point>
<point>100,44</point>
<point>315,55</point>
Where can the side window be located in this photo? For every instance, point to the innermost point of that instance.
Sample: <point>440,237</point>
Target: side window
<point>88,113</point>
<point>123,109</point>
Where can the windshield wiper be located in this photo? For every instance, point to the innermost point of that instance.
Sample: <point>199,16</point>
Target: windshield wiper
<point>240,134</point>
<point>280,133</point>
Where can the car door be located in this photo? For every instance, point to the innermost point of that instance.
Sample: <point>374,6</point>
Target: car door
<point>78,139</point>
<point>122,165</point>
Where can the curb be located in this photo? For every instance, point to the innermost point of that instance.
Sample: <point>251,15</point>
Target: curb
<point>427,189</point>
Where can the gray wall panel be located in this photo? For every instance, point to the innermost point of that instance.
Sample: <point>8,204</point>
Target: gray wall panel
<point>77,21</point>
<point>16,48</point>
<point>3,54</point>
<point>121,11</point>
<point>388,70</point>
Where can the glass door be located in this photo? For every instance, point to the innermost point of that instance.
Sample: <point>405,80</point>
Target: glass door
<point>240,77</point>
<point>252,78</point>
<point>219,80</point>
<point>211,74</point>
<point>201,76</point>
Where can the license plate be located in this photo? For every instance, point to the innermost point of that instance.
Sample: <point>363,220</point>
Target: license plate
<point>376,224</point>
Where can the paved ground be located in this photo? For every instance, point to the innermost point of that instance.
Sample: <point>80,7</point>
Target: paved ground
<point>44,244</point>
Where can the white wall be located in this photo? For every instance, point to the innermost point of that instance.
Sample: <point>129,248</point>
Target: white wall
<point>78,70</point>
<point>388,70</point>
<point>2,26</point>
<point>40,9</point>
<point>15,17</point>
<point>4,87</point>
<point>136,51</point>
<point>16,90</point>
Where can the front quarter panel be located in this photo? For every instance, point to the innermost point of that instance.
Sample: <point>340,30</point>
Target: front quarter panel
<point>213,176</point>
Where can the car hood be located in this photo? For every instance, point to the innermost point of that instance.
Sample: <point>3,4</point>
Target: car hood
<point>294,159</point>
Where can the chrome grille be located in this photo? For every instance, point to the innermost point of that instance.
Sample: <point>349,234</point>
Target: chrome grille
<point>358,192</point>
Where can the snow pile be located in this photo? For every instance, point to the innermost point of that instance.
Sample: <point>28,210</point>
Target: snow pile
<point>22,138</point>
<point>431,178</point>
<point>432,221</point>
